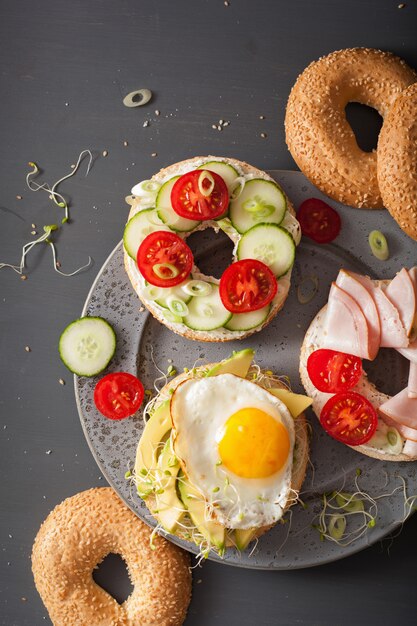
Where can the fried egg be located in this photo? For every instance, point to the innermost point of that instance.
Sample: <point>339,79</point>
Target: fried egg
<point>235,442</point>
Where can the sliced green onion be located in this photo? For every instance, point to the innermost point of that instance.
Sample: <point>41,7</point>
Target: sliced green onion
<point>337,526</point>
<point>379,245</point>
<point>177,306</point>
<point>171,317</point>
<point>349,502</point>
<point>226,226</point>
<point>137,98</point>
<point>146,188</point>
<point>151,292</point>
<point>237,187</point>
<point>165,271</point>
<point>395,441</point>
<point>304,296</point>
<point>258,206</point>
<point>206,183</point>
<point>197,288</point>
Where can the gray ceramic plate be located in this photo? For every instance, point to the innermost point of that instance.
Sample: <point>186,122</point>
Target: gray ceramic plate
<point>142,342</point>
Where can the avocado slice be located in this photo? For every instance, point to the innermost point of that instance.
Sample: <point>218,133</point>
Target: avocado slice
<point>213,532</point>
<point>155,430</point>
<point>296,403</point>
<point>238,364</point>
<point>243,537</point>
<point>168,507</point>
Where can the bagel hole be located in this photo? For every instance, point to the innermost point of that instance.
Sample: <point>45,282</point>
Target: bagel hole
<point>112,576</point>
<point>366,123</point>
<point>213,252</point>
<point>388,372</point>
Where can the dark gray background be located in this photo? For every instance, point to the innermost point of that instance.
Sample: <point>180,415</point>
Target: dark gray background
<point>64,68</point>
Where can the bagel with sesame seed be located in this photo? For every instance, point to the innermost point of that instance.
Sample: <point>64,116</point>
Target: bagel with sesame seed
<point>77,535</point>
<point>397,161</point>
<point>318,134</point>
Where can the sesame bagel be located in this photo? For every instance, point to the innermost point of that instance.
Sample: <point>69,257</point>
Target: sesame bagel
<point>222,333</point>
<point>397,161</point>
<point>318,134</point>
<point>75,538</point>
<point>149,486</point>
<point>313,340</point>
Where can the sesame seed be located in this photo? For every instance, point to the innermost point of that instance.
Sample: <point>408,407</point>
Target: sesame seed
<point>33,232</point>
<point>401,6</point>
<point>214,127</point>
<point>262,117</point>
<point>18,197</point>
<point>157,112</point>
<point>23,277</point>
<point>145,123</point>
<point>61,381</point>
<point>263,135</point>
<point>33,225</point>
<point>226,3</point>
<point>154,154</point>
<point>48,452</point>
<point>27,348</point>
<point>125,143</point>
<point>105,153</point>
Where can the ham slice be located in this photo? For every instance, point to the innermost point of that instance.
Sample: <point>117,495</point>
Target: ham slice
<point>345,325</point>
<point>410,353</point>
<point>401,409</point>
<point>405,431</point>
<point>410,448</point>
<point>400,292</point>
<point>412,381</point>
<point>349,283</point>
<point>393,333</point>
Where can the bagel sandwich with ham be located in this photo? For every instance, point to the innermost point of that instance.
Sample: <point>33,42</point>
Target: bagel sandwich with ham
<point>362,316</point>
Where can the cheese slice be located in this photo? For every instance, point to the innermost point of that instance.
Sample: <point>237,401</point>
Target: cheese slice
<point>296,403</point>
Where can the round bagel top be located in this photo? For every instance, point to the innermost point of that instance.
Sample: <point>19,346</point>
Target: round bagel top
<point>318,135</point>
<point>397,161</point>
<point>289,224</point>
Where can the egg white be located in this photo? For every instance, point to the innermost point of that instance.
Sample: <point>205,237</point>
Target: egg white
<point>199,409</point>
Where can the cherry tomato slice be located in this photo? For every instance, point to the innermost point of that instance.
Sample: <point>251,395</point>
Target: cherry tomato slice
<point>118,395</point>
<point>200,195</point>
<point>331,371</point>
<point>349,418</point>
<point>318,220</point>
<point>164,259</point>
<point>247,285</point>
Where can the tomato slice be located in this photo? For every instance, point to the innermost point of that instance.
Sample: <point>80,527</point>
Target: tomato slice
<point>118,395</point>
<point>247,285</point>
<point>318,220</point>
<point>200,195</point>
<point>349,417</point>
<point>164,259</point>
<point>331,371</point>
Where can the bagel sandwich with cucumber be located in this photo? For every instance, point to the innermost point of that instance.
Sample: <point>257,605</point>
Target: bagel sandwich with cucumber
<point>224,194</point>
<point>223,454</point>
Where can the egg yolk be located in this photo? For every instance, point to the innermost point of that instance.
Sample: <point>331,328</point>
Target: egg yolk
<point>253,444</point>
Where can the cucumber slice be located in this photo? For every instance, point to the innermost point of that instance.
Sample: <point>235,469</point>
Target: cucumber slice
<point>226,171</point>
<point>271,244</point>
<point>246,321</point>
<point>261,201</point>
<point>87,345</point>
<point>207,312</point>
<point>166,212</point>
<point>138,227</point>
